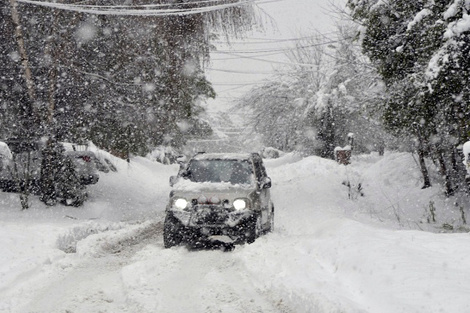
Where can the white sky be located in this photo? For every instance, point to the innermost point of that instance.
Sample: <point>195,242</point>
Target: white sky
<point>293,19</point>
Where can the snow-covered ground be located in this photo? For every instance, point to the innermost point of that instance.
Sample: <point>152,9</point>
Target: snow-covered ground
<point>333,249</point>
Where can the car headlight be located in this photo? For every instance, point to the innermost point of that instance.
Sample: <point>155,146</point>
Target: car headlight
<point>239,204</point>
<point>180,203</point>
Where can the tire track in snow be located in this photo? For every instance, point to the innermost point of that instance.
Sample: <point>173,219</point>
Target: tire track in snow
<point>132,272</point>
<point>86,284</point>
<point>178,280</point>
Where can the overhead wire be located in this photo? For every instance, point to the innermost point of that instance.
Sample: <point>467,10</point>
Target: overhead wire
<point>274,51</point>
<point>238,72</point>
<point>239,84</point>
<point>201,7</point>
<point>277,49</point>
<point>193,10</point>
<point>238,54</point>
<point>233,88</point>
<point>272,61</point>
<point>155,5</point>
<point>261,40</point>
<point>136,6</point>
<point>141,10</point>
<point>260,55</point>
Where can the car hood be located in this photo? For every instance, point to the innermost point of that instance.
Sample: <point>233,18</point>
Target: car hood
<point>191,190</point>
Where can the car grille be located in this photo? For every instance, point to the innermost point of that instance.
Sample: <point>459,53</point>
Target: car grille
<point>209,215</point>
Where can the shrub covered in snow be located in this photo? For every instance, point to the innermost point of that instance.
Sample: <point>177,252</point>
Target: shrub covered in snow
<point>466,153</point>
<point>164,155</point>
<point>271,153</point>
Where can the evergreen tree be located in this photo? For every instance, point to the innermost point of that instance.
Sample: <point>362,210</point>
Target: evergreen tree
<point>420,48</point>
<point>124,82</point>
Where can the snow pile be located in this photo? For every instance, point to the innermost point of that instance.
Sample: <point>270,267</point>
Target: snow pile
<point>113,240</point>
<point>68,242</point>
<point>466,153</point>
<point>328,263</point>
<point>5,151</point>
<point>344,266</point>
<point>330,251</point>
<point>394,197</point>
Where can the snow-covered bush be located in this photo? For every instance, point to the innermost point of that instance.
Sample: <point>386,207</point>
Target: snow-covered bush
<point>164,155</point>
<point>271,153</point>
<point>466,153</point>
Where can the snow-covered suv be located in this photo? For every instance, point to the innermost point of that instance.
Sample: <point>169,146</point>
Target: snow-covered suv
<point>219,197</point>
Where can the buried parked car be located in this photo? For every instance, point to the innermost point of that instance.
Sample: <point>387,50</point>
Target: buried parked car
<point>219,197</point>
<point>21,162</point>
<point>85,166</point>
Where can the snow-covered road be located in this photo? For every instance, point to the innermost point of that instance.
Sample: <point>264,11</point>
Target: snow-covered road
<point>325,254</point>
<point>139,275</point>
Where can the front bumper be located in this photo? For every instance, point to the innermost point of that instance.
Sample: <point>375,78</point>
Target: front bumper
<point>212,216</point>
<point>206,221</point>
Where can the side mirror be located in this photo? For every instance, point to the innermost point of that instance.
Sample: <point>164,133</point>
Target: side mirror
<point>265,183</point>
<point>173,180</point>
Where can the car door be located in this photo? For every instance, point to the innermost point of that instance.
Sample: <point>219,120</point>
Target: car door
<point>264,193</point>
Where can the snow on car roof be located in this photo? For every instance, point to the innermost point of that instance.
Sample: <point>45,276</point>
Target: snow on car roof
<point>222,156</point>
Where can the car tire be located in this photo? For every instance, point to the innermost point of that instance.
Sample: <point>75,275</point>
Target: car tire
<point>172,232</point>
<point>254,228</point>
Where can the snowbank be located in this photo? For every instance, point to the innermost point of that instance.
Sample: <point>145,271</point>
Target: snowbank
<point>333,250</point>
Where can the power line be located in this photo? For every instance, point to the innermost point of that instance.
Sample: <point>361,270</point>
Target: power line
<point>271,61</point>
<point>158,5</point>
<point>261,40</point>
<point>238,72</point>
<point>135,6</point>
<point>276,49</point>
<point>239,84</point>
<point>234,58</point>
<point>141,10</point>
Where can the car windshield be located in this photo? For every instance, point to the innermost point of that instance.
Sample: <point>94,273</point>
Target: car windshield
<point>219,170</point>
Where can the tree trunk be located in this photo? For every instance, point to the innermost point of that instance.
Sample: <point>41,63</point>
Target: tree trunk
<point>24,55</point>
<point>28,76</point>
<point>459,175</point>
<point>327,134</point>
<point>443,170</point>
<point>422,163</point>
<point>52,82</point>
